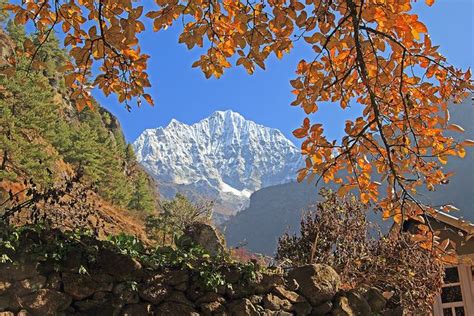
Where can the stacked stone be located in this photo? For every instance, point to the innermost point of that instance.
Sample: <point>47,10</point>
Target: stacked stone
<point>116,284</point>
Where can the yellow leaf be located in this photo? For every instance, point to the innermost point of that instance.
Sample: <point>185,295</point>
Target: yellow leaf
<point>429,2</point>
<point>364,198</point>
<point>443,159</point>
<point>66,26</point>
<point>415,34</point>
<point>344,189</point>
<point>398,218</point>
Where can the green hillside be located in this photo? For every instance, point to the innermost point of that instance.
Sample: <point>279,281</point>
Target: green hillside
<point>45,138</point>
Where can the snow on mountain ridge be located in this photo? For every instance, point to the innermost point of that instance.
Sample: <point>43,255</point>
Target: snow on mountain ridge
<point>224,157</point>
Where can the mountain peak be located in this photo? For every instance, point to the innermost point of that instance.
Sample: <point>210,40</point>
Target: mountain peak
<point>173,122</point>
<point>227,114</point>
<point>223,157</point>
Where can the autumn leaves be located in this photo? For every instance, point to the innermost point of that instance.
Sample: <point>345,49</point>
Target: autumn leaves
<point>372,52</point>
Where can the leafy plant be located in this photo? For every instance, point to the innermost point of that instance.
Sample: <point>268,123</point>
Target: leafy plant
<point>128,245</point>
<point>336,232</point>
<point>184,256</point>
<point>174,216</point>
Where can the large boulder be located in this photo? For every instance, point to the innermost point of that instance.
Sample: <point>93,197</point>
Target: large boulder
<point>351,304</point>
<point>210,297</point>
<point>212,308</point>
<point>4,286</point>
<point>322,309</point>
<point>172,308</point>
<point>178,297</point>
<point>9,302</point>
<point>375,299</point>
<point>45,302</point>
<point>267,281</point>
<point>138,309</point>
<point>154,290</point>
<point>317,282</point>
<point>27,286</point>
<point>18,271</point>
<point>206,236</point>
<point>176,278</point>
<point>291,296</point>
<point>275,303</point>
<point>342,307</point>
<point>126,293</point>
<point>302,309</point>
<point>242,307</point>
<point>398,311</point>
<point>81,286</point>
<point>120,266</point>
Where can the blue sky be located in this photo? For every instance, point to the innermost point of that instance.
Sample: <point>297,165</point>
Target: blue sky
<point>183,93</point>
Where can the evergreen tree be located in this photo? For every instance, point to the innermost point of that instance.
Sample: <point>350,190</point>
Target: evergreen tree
<point>3,12</point>
<point>142,197</point>
<point>16,32</point>
<point>27,111</point>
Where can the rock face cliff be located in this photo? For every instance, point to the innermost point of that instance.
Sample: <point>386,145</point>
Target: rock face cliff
<point>223,157</point>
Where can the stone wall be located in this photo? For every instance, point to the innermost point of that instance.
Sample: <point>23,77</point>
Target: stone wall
<point>115,284</point>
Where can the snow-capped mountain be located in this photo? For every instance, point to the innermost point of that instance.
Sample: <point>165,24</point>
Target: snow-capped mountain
<point>223,157</point>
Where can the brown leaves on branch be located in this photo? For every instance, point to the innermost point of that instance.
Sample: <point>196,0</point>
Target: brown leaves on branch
<point>381,57</point>
<point>336,232</point>
<point>377,54</point>
<point>95,32</point>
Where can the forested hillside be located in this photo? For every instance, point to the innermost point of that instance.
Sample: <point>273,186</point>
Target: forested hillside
<point>45,138</point>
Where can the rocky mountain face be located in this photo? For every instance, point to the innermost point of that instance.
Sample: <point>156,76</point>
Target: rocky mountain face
<point>272,212</point>
<point>223,157</point>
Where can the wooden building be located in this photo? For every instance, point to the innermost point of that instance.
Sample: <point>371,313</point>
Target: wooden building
<point>456,297</point>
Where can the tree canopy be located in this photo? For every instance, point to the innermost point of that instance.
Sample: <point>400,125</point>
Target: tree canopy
<point>374,53</point>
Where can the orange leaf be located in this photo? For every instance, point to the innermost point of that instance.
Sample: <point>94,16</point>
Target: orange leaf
<point>468,142</point>
<point>148,99</point>
<point>420,27</point>
<point>301,175</point>
<point>300,132</point>
<point>455,128</point>
<point>306,123</point>
<point>344,189</point>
